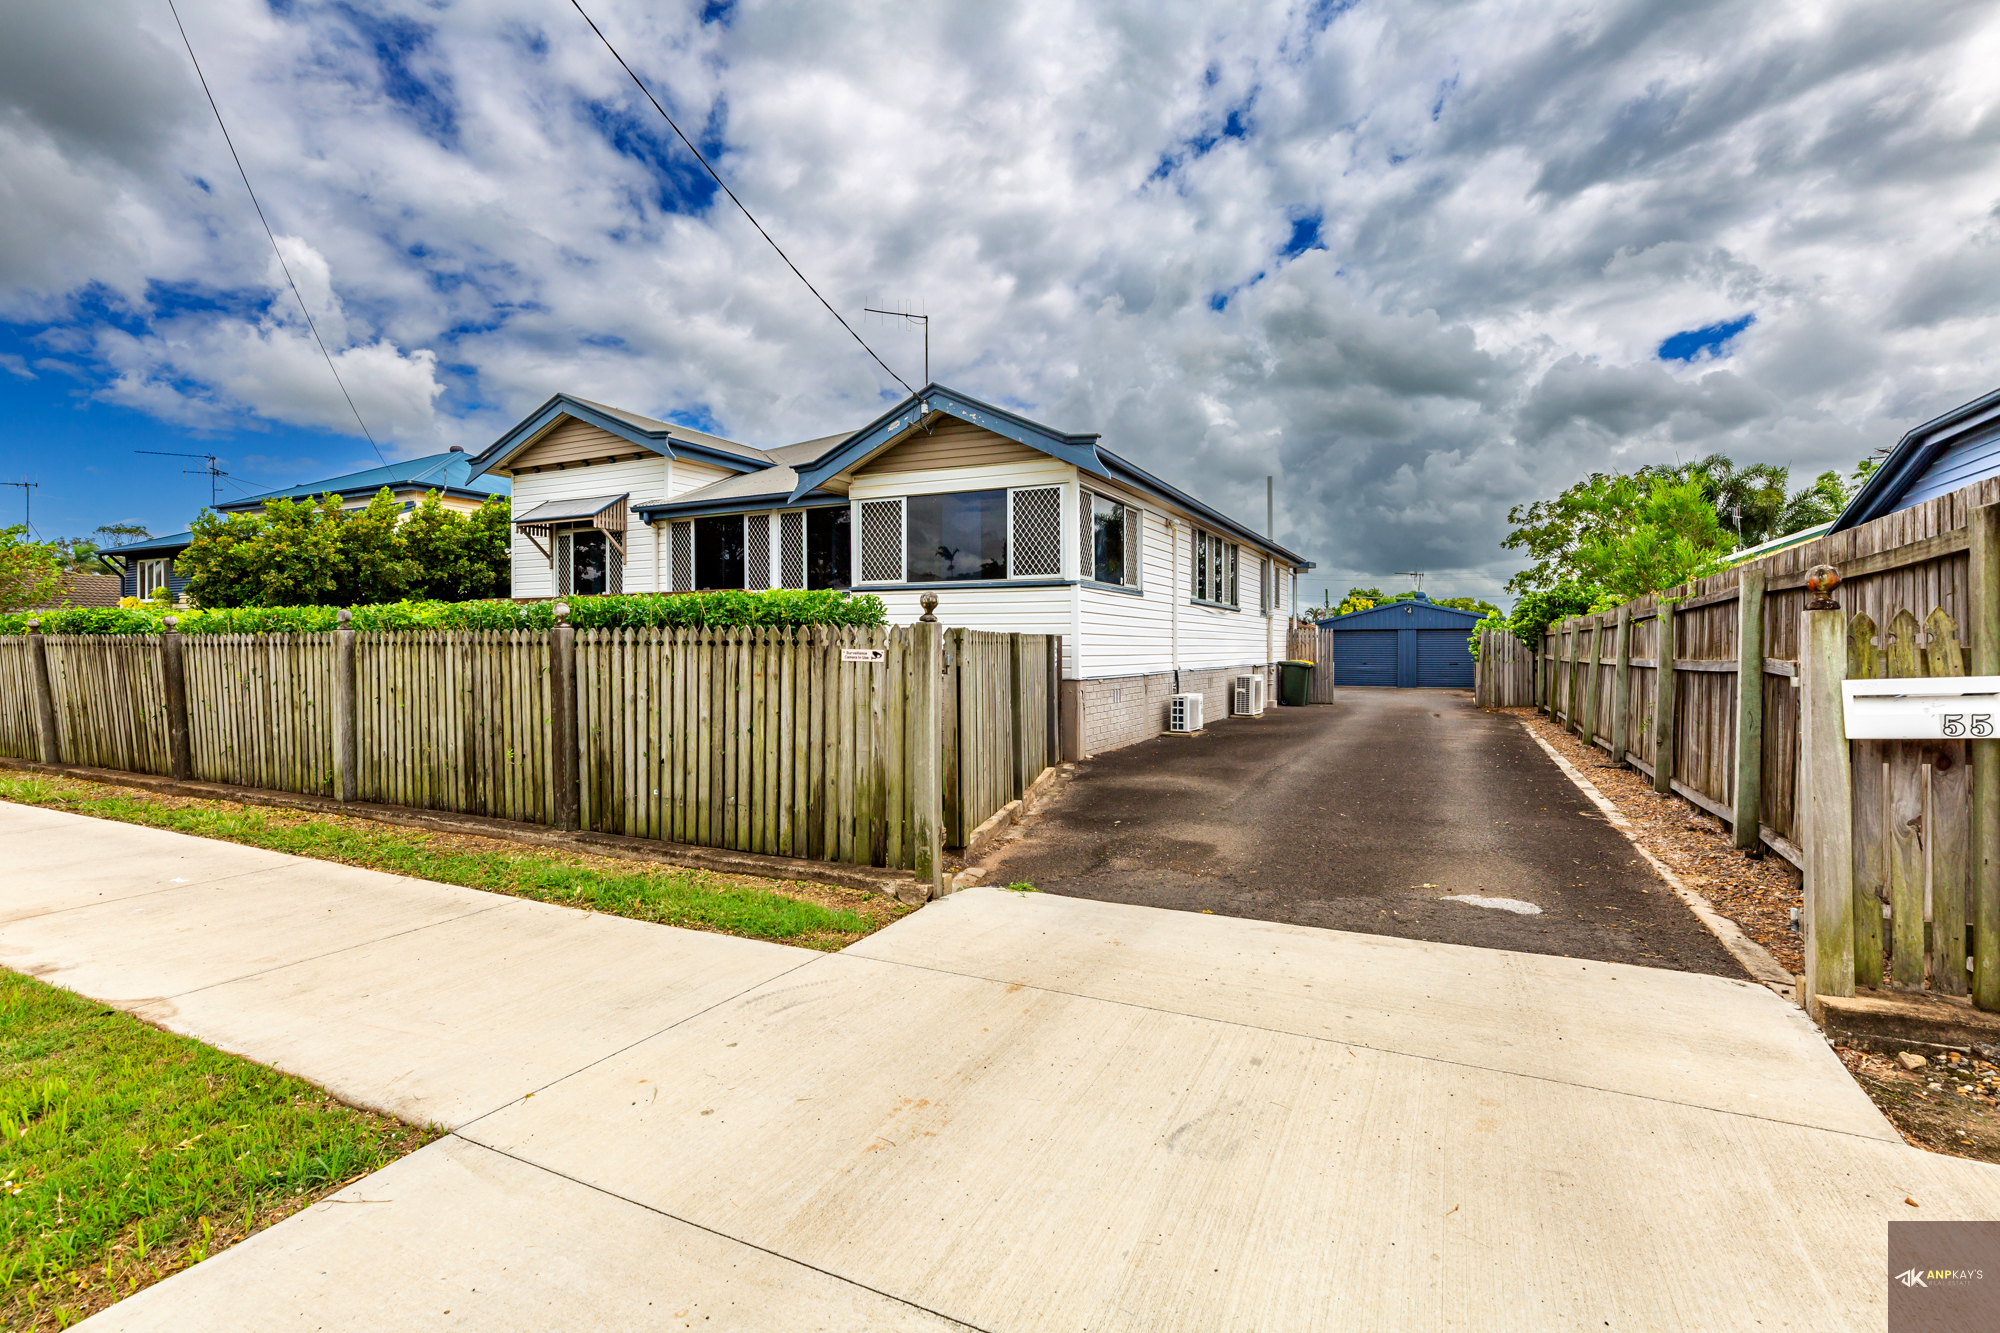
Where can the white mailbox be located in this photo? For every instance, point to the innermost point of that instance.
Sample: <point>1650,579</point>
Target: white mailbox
<point>1936,708</point>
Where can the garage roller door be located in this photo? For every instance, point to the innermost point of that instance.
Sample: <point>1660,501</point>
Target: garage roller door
<point>1444,659</point>
<point>1364,657</point>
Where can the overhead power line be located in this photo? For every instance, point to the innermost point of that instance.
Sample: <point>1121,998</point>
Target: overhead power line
<point>732,196</point>
<point>273,237</point>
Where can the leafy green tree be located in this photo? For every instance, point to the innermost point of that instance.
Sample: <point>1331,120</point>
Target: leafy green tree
<point>1486,609</point>
<point>1818,503</point>
<point>459,556</point>
<point>1673,535</point>
<point>30,571</point>
<point>317,553</point>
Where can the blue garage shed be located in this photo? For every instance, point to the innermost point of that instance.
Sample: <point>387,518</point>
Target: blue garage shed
<point>1409,644</point>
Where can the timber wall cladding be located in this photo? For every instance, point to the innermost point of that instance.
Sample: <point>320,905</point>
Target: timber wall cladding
<point>1904,600</point>
<point>756,740</point>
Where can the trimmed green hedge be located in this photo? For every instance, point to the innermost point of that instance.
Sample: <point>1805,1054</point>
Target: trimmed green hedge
<point>779,609</point>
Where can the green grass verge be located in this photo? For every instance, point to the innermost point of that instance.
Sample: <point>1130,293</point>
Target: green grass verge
<point>671,895</point>
<point>128,1152</point>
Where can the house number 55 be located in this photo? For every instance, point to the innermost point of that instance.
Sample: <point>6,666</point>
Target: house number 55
<point>1982,724</point>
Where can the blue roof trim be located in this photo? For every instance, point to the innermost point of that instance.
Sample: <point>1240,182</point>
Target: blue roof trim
<point>1143,480</point>
<point>152,548</point>
<point>1078,450</point>
<point>449,473</point>
<point>1407,614</point>
<point>1912,457</point>
<point>735,504</point>
<point>660,441</point>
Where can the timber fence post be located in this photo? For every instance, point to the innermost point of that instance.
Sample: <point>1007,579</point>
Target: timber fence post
<point>1663,699</point>
<point>45,697</point>
<point>1591,676</point>
<point>173,682</point>
<point>564,800</point>
<point>346,725</point>
<point>1017,736</point>
<point>1750,711</point>
<point>1983,587</point>
<point>926,741</point>
<point>1621,691</point>
<point>1827,800</point>
<point>1573,703</point>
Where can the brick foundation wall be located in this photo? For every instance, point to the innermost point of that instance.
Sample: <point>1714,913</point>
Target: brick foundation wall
<point>1128,709</point>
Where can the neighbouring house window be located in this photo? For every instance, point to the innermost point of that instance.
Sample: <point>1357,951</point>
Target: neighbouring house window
<point>829,549</point>
<point>960,535</point>
<point>152,577</point>
<point>1214,569</point>
<point>718,552</point>
<point>1113,548</point>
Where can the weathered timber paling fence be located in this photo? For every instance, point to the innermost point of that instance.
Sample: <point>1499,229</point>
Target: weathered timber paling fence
<point>1505,674</point>
<point>872,746</point>
<point>1898,841</point>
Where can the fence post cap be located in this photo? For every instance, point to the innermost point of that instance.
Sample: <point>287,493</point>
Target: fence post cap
<point>929,602</point>
<point>170,622</point>
<point>343,617</point>
<point>1821,580</point>
<point>562,612</point>
<point>34,627</point>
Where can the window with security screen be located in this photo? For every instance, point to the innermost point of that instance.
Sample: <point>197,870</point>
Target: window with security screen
<point>792,549</point>
<point>757,551</point>
<point>881,541</point>
<point>1037,523</point>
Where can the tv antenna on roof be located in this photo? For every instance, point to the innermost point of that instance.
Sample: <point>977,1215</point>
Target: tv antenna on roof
<point>914,318</point>
<point>211,471</point>
<point>27,502</point>
<point>1416,574</point>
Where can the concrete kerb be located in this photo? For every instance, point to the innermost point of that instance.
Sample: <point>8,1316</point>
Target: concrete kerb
<point>720,860</point>
<point>1752,955</point>
<point>1002,824</point>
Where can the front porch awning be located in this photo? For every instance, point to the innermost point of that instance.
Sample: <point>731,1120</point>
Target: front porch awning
<point>605,512</point>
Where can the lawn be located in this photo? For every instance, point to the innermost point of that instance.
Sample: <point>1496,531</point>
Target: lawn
<point>127,1153</point>
<point>813,915</point>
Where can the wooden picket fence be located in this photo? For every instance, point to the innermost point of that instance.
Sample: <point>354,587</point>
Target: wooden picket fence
<point>809,743</point>
<point>1894,875</point>
<point>1504,673</point>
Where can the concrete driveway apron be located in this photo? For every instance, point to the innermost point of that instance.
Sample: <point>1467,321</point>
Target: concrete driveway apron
<point>1008,1111</point>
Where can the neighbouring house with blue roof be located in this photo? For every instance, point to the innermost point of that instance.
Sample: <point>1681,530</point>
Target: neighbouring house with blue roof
<point>1016,525</point>
<point>1410,644</point>
<point>1943,455</point>
<point>149,564</point>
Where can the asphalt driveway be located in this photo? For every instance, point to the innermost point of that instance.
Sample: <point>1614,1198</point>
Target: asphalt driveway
<point>1368,815</point>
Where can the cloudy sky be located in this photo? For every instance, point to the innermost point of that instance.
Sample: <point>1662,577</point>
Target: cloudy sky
<point>1422,261</point>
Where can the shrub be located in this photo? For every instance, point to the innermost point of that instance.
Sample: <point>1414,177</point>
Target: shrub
<point>782,608</point>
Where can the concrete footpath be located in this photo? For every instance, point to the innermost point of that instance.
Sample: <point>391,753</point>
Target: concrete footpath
<point>1007,1111</point>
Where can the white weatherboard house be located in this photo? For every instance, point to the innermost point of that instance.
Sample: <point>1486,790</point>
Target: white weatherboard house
<point>1016,527</point>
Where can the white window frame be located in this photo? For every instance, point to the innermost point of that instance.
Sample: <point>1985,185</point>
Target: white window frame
<point>854,537</point>
<point>1222,558</point>
<point>1135,529</point>
<point>1013,491</point>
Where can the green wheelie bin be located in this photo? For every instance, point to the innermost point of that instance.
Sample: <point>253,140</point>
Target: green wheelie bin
<point>1295,683</point>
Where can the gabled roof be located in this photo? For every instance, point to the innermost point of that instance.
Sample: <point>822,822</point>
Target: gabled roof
<point>1079,450</point>
<point>152,548</point>
<point>1417,612</point>
<point>1913,456</point>
<point>661,437</point>
<point>793,475</point>
<point>450,473</point>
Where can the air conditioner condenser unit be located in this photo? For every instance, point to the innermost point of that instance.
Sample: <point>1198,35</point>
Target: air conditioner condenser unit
<point>1247,697</point>
<point>1184,713</point>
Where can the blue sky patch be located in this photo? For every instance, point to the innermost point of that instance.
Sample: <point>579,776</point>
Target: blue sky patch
<point>1707,341</point>
<point>396,42</point>
<point>1305,236</point>
<point>642,136</point>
